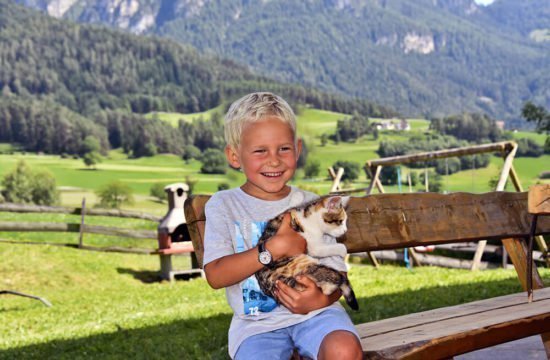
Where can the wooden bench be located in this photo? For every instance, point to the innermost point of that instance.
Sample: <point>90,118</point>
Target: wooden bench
<point>390,221</point>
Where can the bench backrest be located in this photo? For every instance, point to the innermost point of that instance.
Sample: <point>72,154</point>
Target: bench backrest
<point>390,221</point>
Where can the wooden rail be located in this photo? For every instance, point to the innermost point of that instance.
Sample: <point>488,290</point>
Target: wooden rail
<point>82,228</point>
<point>24,208</point>
<point>75,227</point>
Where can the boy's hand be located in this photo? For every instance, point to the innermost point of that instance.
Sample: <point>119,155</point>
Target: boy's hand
<point>286,241</point>
<point>303,302</point>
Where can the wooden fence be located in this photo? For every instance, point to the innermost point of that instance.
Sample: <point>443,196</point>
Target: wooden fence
<point>81,228</point>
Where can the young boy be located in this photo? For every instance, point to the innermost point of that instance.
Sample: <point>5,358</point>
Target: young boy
<point>260,131</point>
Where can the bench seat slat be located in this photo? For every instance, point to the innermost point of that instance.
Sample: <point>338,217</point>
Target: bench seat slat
<point>458,329</point>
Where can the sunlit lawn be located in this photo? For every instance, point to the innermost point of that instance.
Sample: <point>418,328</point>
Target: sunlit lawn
<point>111,306</point>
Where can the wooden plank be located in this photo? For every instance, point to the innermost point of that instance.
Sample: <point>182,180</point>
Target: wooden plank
<point>336,179</point>
<point>454,330</point>
<point>25,208</point>
<point>468,150</point>
<point>380,327</point>
<point>427,259</point>
<point>517,250</point>
<point>75,227</point>
<point>388,221</point>
<point>539,199</point>
<point>194,215</point>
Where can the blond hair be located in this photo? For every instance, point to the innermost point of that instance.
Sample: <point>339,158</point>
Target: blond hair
<point>252,108</point>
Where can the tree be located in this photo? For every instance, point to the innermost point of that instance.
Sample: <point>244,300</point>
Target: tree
<point>190,152</point>
<point>44,189</point>
<point>312,169</point>
<point>388,175</point>
<point>541,117</point>
<point>324,139</point>
<point>351,169</point>
<point>213,162</point>
<point>157,191</point>
<point>538,115</point>
<point>91,151</point>
<point>435,181</point>
<point>91,159</point>
<point>18,184</point>
<point>114,194</point>
<point>22,185</point>
<point>302,159</point>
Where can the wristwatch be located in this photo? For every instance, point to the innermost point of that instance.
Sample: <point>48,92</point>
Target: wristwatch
<point>264,256</point>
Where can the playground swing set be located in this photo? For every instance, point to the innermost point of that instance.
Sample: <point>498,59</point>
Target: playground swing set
<point>373,169</point>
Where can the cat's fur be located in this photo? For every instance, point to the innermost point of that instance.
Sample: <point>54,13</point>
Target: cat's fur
<point>312,221</point>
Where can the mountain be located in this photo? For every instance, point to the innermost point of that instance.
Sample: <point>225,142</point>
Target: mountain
<point>423,57</point>
<point>88,68</point>
<point>61,82</point>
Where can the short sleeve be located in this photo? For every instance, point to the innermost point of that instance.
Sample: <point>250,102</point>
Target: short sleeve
<point>217,235</point>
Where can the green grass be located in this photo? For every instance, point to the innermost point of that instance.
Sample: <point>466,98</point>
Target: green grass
<point>110,306</point>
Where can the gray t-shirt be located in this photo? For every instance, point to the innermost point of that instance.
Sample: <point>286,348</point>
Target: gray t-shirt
<point>235,221</point>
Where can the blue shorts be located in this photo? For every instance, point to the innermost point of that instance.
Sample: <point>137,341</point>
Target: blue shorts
<point>306,336</point>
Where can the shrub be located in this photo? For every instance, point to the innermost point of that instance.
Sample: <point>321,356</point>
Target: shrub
<point>223,186</point>
<point>191,152</point>
<point>435,183</point>
<point>213,162</point>
<point>351,169</point>
<point>22,185</point>
<point>447,166</point>
<point>312,169</point>
<point>388,175</point>
<point>114,194</point>
<point>44,190</point>
<point>91,159</point>
<point>302,159</point>
<point>157,191</point>
<point>529,148</point>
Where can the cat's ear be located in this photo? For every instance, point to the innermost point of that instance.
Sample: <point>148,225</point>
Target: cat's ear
<point>334,203</point>
<point>345,200</point>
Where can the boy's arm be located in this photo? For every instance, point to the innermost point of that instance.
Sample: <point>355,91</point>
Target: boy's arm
<point>307,300</point>
<point>231,269</point>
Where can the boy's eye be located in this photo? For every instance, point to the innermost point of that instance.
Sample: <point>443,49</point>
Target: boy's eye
<point>259,151</point>
<point>286,148</point>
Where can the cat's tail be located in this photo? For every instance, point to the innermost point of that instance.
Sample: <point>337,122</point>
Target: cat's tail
<point>349,295</point>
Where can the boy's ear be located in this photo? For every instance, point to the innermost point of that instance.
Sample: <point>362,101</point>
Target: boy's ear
<point>298,148</point>
<point>232,157</point>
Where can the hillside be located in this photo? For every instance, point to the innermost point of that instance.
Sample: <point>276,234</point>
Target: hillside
<point>62,81</point>
<point>422,57</point>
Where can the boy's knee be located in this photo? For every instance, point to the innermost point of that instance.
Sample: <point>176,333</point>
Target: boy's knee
<point>340,345</point>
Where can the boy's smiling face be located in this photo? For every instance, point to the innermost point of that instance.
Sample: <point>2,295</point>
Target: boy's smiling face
<point>267,155</point>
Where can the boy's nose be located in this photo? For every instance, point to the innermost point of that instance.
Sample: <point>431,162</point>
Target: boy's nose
<point>274,160</point>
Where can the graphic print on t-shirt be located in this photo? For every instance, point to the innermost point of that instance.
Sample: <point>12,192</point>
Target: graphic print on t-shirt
<point>255,301</point>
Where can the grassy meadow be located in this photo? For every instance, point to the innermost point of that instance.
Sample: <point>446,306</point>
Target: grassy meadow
<point>76,181</point>
<point>112,306</point>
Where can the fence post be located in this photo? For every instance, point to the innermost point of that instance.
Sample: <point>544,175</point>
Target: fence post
<point>82,214</point>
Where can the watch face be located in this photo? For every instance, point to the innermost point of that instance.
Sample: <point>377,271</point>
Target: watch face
<point>265,257</point>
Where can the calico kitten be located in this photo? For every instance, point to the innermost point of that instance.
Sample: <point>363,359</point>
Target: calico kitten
<point>314,220</point>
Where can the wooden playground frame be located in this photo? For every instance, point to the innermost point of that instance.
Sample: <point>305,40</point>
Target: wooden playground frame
<point>508,150</point>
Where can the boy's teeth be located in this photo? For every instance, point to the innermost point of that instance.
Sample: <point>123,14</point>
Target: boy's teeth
<point>273,174</point>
